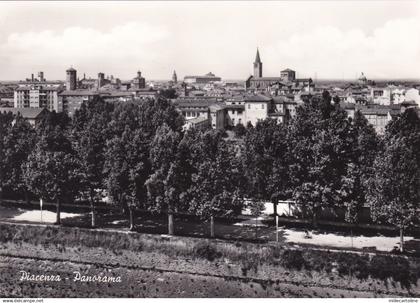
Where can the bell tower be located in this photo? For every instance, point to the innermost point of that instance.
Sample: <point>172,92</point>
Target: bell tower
<point>257,66</point>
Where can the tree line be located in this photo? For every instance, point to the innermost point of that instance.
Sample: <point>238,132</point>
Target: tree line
<point>139,156</point>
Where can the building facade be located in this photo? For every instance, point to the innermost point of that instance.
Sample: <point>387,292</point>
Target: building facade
<point>207,78</point>
<point>38,96</point>
<point>71,79</point>
<point>138,82</point>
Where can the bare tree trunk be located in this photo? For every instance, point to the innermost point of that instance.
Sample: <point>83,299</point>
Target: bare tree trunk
<point>92,207</point>
<point>315,219</point>
<point>27,197</point>
<point>58,220</point>
<point>130,209</point>
<point>212,227</point>
<point>170,223</point>
<point>256,227</point>
<point>401,239</point>
<point>275,209</point>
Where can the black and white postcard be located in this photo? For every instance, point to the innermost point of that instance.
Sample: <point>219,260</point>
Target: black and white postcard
<point>209,149</point>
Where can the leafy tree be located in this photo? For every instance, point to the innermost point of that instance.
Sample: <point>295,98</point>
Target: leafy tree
<point>89,134</point>
<point>169,93</point>
<point>20,142</point>
<point>5,126</point>
<point>148,116</point>
<point>126,169</point>
<point>239,130</point>
<point>163,186</point>
<point>52,175</point>
<point>217,186</point>
<point>394,188</point>
<point>52,171</point>
<point>366,146</point>
<point>321,149</point>
<point>266,162</point>
<point>127,164</point>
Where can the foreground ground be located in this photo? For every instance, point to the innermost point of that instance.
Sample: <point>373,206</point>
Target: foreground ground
<point>148,283</point>
<point>155,266</point>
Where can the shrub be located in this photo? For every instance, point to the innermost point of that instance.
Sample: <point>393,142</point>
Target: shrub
<point>353,264</point>
<point>206,250</point>
<point>397,268</point>
<point>293,259</point>
<point>250,261</point>
<point>319,260</point>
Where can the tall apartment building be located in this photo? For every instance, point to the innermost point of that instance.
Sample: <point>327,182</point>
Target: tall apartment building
<point>38,96</point>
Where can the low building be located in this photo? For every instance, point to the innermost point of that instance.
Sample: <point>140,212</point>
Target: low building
<point>201,123</point>
<point>118,96</point>
<point>413,94</point>
<point>256,108</point>
<point>71,100</point>
<point>378,117</point>
<point>193,109</point>
<point>207,78</point>
<point>381,95</point>
<point>32,115</point>
<point>235,114</point>
<point>288,75</point>
<point>217,116</point>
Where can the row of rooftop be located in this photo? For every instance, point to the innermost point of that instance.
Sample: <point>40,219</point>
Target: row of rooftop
<point>221,103</point>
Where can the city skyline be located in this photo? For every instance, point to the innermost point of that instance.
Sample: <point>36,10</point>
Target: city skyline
<point>378,38</point>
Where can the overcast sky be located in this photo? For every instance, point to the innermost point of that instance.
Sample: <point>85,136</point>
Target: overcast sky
<point>328,39</point>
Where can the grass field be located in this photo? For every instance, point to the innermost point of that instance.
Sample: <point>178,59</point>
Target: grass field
<point>151,265</point>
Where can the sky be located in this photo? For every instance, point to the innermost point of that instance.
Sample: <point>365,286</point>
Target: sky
<point>318,39</point>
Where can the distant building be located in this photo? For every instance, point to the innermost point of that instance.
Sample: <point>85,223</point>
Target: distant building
<point>72,100</point>
<point>32,115</point>
<point>217,116</point>
<point>71,79</point>
<point>413,94</point>
<point>256,108</point>
<point>362,80</point>
<point>378,117</point>
<point>258,66</point>
<point>41,76</point>
<point>138,82</point>
<point>38,96</point>
<point>174,78</point>
<point>207,78</point>
<point>235,114</point>
<point>201,123</point>
<point>380,95</point>
<point>286,82</point>
<point>288,75</point>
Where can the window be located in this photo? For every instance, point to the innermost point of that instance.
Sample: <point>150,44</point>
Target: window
<point>249,106</point>
<point>262,106</point>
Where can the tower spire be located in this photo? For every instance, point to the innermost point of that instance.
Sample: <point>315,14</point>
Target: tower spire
<point>257,57</point>
<point>258,65</point>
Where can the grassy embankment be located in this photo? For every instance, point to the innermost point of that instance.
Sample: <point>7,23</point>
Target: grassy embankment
<point>270,266</point>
